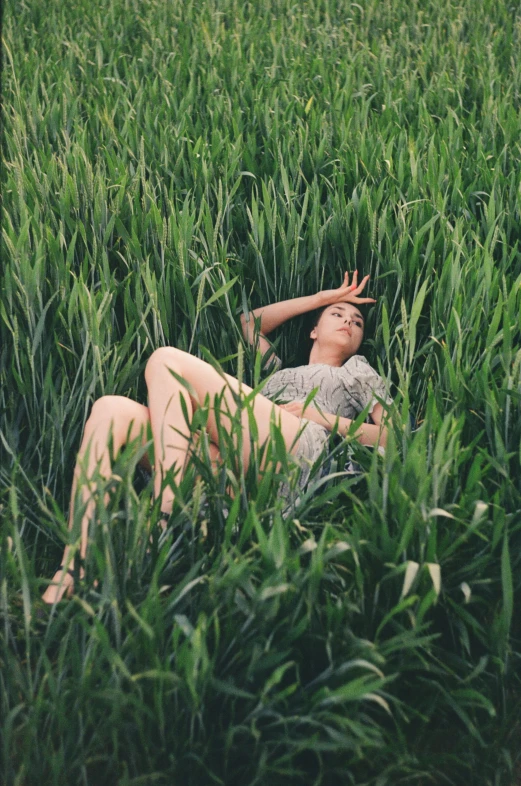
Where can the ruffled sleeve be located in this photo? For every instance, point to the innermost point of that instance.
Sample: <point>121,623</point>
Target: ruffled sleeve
<point>364,384</point>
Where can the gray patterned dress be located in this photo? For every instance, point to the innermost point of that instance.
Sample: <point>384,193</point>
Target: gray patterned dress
<point>344,390</point>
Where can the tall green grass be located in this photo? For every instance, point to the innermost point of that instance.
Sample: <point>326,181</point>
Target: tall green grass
<point>167,166</point>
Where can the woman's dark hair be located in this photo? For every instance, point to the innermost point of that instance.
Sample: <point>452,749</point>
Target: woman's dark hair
<point>314,317</point>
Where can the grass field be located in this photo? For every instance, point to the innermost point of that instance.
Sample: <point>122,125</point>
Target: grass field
<point>166,166</point>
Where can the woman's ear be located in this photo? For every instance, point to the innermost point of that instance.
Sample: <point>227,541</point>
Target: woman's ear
<point>313,334</point>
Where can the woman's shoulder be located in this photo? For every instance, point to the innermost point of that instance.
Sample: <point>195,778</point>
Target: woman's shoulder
<point>363,380</point>
<point>357,367</point>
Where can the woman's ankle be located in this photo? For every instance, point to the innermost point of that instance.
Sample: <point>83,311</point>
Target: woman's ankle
<point>62,583</point>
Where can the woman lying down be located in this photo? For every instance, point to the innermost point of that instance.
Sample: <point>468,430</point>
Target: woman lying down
<point>346,385</point>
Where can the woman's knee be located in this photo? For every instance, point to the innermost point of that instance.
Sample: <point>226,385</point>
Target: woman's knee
<point>118,410</point>
<point>164,357</point>
<point>107,406</point>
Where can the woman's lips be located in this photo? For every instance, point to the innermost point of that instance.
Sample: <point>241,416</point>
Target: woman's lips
<point>344,330</point>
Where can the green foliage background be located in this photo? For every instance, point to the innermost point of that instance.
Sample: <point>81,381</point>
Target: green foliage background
<point>166,166</point>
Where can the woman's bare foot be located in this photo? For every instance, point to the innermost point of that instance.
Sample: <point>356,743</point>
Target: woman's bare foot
<point>62,583</point>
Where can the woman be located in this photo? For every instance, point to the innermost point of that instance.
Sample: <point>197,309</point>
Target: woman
<point>347,384</point>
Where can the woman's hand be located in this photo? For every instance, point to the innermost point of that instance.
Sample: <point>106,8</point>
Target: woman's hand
<point>346,293</point>
<point>295,407</point>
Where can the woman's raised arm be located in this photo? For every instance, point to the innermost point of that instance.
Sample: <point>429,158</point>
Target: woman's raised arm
<point>276,314</point>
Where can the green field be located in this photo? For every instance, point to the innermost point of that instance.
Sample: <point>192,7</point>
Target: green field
<point>167,166</point>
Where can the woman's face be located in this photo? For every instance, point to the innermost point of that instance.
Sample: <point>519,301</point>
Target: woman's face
<point>342,325</point>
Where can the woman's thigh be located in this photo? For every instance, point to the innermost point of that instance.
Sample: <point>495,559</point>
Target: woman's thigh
<point>263,408</point>
<point>206,381</point>
<point>264,411</point>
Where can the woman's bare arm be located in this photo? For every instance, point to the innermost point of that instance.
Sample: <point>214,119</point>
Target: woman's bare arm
<point>276,314</point>
<point>368,433</point>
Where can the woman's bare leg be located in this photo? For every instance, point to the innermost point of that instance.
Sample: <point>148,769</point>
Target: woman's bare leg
<point>113,420</point>
<point>119,419</point>
<point>170,430</point>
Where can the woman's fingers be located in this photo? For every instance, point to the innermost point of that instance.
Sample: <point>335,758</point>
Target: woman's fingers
<point>354,283</point>
<point>295,407</point>
<point>349,292</point>
<point>363,283</point>
<point>345,283</point>
<point>360,288</point>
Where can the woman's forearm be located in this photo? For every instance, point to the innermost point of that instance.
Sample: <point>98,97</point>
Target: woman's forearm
<point>276,314</point>
<point>367,434</point>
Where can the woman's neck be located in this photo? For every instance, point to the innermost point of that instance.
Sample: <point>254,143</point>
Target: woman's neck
<point>330,356</point>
